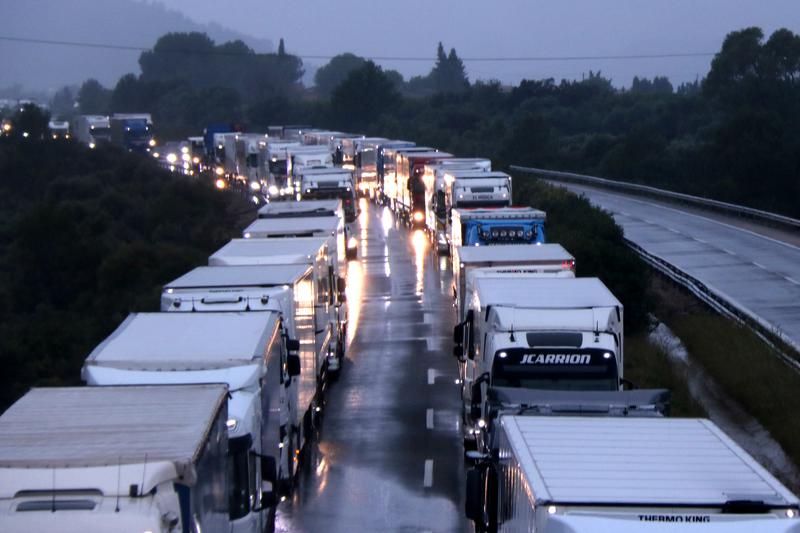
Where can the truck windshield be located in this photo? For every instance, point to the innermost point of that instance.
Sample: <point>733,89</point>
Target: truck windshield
<point>555,369</point>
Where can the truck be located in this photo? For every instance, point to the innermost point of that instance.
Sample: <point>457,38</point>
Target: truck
<point>382,159</point>
<point>301,158</point>
<point>492,226</point>
<point>532,332</point>
<point>210,141</point>
<point>313,209</point>
<point>250,161</point>
<point>314,137</point>
<point>435,188</point>
<point>132,131</point>
<point>555,474</point>
<point>59,129</point>
<point>505,260</point>
<point>91,130</point>
<point>133,458</point>
<point>409,198</point>
<point>285,289</point>
<point>329,313</point>
<point>277,167</point>
<point>329,183</point>
<point>363,153</point>
<point>249,352</point>
<point>387,168</point>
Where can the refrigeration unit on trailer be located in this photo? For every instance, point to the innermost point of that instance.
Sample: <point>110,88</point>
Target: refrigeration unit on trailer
<point>133,458</point>
<point>491,226</point>
<point>288,289</point>
<point>246,351</point>
<point>409,200</point>
<point>530,332</point>
<point>329,311</point>
<point>313,209</point>
<point>505,260</point>
<point>329,183</point>
<point>435,190</point>
<point>581,474</point>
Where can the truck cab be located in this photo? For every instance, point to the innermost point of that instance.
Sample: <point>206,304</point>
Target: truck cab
<point>470,188</point>
<point>133,131</point>
<point>302,158</point>
<point>409,200</point>
<point>330,183</point>
<point>528,332</point>
<point>490,226</point>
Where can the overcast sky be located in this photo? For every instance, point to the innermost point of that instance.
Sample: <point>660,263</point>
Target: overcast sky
<point>480,28</point>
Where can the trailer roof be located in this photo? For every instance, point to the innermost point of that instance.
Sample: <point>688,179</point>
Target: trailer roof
<point>326,171</point>
<point>545,293</point>
<point>305,207</point>
<point>508,253</point>
<point>268,251</point>
<point>239,276</point>
<point>186,341</point>
<point>100,426</point>
<point>634,461</point>
<point>283,226</point>
<point>478,174</point>
<point>431,154</point>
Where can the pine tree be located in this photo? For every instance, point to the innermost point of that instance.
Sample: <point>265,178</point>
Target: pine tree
<point>281,48</point>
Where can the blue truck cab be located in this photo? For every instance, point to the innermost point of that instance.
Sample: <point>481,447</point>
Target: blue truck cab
<point>485,226</point>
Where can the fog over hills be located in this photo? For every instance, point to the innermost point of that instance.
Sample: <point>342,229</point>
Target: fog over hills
<point>119,22</point>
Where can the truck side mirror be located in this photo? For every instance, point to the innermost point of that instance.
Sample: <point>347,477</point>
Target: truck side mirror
<point>476,400</point>
<point>268,498</point>
<point>458,352</point>
<point>293,364</point>
<point>292,345</point>
<point>473,505</point>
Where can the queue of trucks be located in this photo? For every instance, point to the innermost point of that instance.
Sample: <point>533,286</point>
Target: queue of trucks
<point>194,418</point>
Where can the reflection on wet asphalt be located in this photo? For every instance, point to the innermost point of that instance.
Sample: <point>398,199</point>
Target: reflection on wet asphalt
<point>388,455</point>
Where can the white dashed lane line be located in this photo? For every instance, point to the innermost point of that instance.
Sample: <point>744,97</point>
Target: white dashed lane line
<point>431,376</point>
<point>427,479</point>
<point>429,419</point>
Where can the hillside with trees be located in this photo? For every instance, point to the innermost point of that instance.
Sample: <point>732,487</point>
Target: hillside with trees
<point>87,236</point>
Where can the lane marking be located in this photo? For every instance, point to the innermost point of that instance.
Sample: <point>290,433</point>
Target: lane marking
<point>701,241</point>
<point>728,251</point>
<point>791,280</point>
<point>427,479</point>
<point>431,376</point>
<point>758,265</point>
<point>429,419</point>
<point>673,230</point>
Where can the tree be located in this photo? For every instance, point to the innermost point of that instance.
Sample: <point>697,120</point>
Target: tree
<point>329,76</point>
<point>190,56</point>
<point>448,74</point>
<point>281,48</point>
<point>63,101</point>
<point>736,63</point>
<point>128,95</point>
<point>31,121</point>
<point>93,98</point>
<point>363,97</point>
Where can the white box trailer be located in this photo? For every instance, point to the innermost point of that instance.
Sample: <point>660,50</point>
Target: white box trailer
<point>313,209</point>
<point>584,474</point>
<point>505,260</point>
<point>326,226</point>
<point>98,459</point>
<point>329,321</point>
<point>387,174</point>
<point>470,188</point>
<point>535,332</point>
<point>364,155</point>
<point>246,351</point>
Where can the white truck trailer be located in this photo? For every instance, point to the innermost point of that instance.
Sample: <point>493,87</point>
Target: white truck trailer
<point>470,188</point>
<point>532,332</point>
<point>329,320</point>
<point>505,260</point>
<point>364,156</point>
<point>326,226</point>
<point>576,474</point>
<point>313,209</point>
<point>248,352</point>
<point>287,289</point>
<point>97,459</point>
<point>91,130</point>
<point>300,158</point>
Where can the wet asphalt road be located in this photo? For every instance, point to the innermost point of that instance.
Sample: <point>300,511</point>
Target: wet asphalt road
<point>388,454</point>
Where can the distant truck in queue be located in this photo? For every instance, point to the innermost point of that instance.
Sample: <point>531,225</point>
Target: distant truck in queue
<point>580,474</point>
<point>364,159</point>
<point>132,458</point>
<point>329,183</point>
<point>528,332</point>
<point>133,131</point>
<point>91,130</point>
<point>246,351</point>
<point>505,260</point>
<point>59,129</point>
<point>435,193</point>
<point>329,315</point>
<point>383,161</point>
<point>476,188</point>
<point>286,289</point>
<point>490,226</point>
<point>313,209</point>
<point>409,198</point>
<point>284,228</point>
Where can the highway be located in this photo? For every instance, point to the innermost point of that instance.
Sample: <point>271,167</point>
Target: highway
<point>388,453</point>
<point>756,268</point>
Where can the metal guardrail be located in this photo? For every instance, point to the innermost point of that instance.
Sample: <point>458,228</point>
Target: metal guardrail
<point>707,203</point>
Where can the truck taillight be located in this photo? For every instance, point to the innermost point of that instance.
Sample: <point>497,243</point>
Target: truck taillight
<point>568,265</point>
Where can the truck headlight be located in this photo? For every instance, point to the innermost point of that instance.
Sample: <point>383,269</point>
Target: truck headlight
<point>171,158</point>
<point>152,143</point>
<point>219,171</point>
<point>231,424</point>
<point>352,243</point>
<point>273,190</point>
<point>255,185</point>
